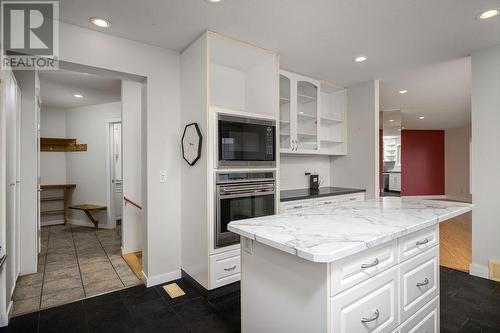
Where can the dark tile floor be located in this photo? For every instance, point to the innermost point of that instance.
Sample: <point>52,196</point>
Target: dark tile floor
<point>468,304</point>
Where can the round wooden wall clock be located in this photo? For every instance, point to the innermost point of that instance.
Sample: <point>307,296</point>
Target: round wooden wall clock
<point>191,143</point>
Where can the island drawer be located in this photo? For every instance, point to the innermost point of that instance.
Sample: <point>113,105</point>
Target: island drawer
<point>350,271</point>
<point>425,320</point>
<point>419,282</point>
<point>418,242</point>
<point>295,206</point>
<point>225,268</point>
<point>371,306</point>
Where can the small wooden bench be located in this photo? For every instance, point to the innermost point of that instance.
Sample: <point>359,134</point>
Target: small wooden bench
<point>88,209</point>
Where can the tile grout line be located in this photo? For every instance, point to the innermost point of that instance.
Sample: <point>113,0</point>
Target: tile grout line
<point>109,259</point>
<point>78,261</point>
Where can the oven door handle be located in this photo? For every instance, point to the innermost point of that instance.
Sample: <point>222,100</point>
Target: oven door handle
<point>246,194</point>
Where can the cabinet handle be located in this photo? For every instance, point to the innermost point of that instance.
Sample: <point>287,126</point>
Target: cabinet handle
<point>375,316</point>
<point>352,199</point>
<point>296,207</point>
<point>423,283</point>
<point>422,242</point>
<point>373,264</point>
<point>327,202</point>
<point>230,269</point>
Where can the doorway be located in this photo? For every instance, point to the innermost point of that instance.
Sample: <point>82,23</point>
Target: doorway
<point>80,215</point>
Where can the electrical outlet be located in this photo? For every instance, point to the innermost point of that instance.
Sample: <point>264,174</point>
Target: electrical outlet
<point>163,176</point>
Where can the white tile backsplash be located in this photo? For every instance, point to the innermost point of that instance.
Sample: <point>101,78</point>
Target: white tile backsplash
<point>293,168</point>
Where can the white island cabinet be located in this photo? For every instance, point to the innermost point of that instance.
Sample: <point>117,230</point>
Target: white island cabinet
<point>369,266</point>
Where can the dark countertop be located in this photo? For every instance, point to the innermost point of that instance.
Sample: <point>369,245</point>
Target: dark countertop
<point>290,195</point>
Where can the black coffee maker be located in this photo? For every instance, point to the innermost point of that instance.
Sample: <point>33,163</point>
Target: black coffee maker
<point>314,183</point>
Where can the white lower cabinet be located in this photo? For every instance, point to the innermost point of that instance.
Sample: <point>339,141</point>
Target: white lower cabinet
<point>424,321</point>
<point>371,306</point>
<point>355,269</point>
<point>419,282</point>
<point>296,205</point>
<point>225,268</point>
<point>393,287</point>
<point>321,202</point>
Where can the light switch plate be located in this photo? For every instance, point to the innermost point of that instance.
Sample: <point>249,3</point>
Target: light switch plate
<point>163,176</point>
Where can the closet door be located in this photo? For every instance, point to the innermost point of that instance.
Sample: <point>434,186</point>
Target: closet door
<point>307,98</point>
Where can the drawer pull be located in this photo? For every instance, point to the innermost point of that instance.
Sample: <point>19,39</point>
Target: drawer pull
<point>373,264</point>
<point>422,242</point>
<point>423,283</point>
<point>230,269</point>
<point>372,318</point>
<point>352,199</point>
<point>296,207</point>
<point>327,202</point>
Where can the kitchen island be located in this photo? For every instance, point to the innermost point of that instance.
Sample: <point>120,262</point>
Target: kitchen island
<point>370,266</point>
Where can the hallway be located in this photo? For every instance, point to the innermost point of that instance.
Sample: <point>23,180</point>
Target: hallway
<point>74,263</point>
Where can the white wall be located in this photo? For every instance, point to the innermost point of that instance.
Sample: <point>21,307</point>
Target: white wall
<point>88,169</point>
<point>360,168</point>
<point>485,158</point>
<point>294,167</point>
<point>456,163</point>
<point>161,256</point>
<point>53,164</point>
<point>133,218</point>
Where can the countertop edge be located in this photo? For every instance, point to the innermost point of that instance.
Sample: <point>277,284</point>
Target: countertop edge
<point>328,258</point>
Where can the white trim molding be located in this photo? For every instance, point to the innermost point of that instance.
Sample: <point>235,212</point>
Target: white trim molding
<point>479,270</point>
<point>161,278</point>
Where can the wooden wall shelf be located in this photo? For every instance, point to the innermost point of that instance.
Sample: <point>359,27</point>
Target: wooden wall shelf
<point>61,145</point>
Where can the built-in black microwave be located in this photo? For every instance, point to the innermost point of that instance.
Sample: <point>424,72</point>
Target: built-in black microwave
<point>246,142</point>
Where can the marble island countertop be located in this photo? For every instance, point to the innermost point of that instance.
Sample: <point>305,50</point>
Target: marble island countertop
<point>329,234</point>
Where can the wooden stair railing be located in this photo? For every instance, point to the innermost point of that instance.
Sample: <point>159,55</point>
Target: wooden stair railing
<point>127,200</point>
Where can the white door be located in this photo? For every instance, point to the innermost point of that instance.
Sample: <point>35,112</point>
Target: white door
<point>12,185</point>
<point>116,164</point>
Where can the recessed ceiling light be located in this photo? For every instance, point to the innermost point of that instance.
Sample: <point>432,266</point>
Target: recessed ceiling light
<point>391,120</point>
<point>214,1</point>
<point>78,95</point>
<point>421,117</point>
<point>403,91</point>
<point>488,14</point>
<point>100,22</point>
<point>359,59</point>
<point>301,112</point>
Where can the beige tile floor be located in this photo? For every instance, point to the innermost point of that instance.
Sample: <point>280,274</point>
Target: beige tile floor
<point>75,262</point>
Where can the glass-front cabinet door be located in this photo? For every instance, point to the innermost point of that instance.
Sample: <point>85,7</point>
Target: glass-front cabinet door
<point>286,140</point>
<point>307,114</point>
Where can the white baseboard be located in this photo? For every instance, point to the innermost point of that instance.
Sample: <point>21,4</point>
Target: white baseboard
<point>88,224</point>
<point>4,317</point>
<point>161,278</point>
<point>50,223</point>
<point>425,196</point>
<point>479,270</point>
<point>456,198</point>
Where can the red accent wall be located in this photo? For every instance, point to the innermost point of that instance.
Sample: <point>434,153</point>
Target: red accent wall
<point>422,162</point>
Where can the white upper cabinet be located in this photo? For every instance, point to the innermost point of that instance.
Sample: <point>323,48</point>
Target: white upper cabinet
<point>242,77</point>
<point>312,116</point>
<point>285,112</point>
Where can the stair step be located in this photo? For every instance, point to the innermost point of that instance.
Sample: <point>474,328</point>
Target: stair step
<point>52,199</point>
<point>53,212</point>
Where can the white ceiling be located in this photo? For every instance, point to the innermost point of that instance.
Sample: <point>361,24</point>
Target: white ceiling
<point>57,89</point>
<point>440,93</point>
<point>319,37</point>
